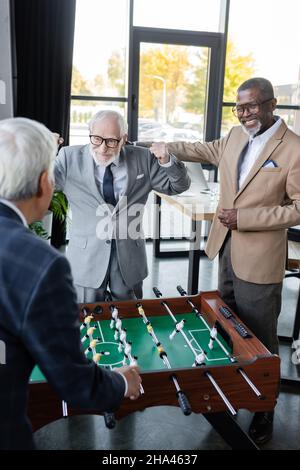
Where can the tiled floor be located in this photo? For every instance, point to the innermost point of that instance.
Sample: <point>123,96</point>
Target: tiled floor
<point>154,427</point>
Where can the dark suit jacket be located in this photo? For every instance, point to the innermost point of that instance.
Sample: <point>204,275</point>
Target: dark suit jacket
<point>39,324</point>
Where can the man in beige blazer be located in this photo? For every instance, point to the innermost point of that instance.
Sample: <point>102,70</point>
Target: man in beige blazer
<point>259,163</point>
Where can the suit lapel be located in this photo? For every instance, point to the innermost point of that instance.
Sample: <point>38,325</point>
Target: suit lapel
<point>235,160</point>
<point>267,151</point>
<point>89,167</point>
<point>130,161</point>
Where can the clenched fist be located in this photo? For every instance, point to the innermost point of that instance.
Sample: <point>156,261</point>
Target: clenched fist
<point>160,151</point>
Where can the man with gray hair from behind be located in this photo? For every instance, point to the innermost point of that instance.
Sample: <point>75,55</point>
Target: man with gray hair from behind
<point>39,318</point>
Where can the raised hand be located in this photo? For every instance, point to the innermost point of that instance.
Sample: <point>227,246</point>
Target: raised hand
<point>160,151</point>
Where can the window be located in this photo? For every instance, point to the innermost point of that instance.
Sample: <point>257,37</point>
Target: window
<point>261,42</point>
<point>81,114</point>
<point>172,91</point>
<point>193,15</point>
<point>99,62</point>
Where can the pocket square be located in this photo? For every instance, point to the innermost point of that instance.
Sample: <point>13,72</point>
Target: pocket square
<point>270,164</point>
<point>140,176</point>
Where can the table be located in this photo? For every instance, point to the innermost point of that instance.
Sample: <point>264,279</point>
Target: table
<point>223,364</point>
<point>198,208</point>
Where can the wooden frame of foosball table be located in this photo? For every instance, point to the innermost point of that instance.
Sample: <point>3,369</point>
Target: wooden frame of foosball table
<point>253,358</point>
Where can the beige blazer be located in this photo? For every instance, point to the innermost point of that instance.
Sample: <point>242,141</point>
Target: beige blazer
<point>268,202</point>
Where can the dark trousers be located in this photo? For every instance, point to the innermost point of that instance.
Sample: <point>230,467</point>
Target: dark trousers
<point>257,305</point>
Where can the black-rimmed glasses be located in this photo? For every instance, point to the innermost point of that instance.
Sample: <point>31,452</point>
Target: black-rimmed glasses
<point>239,110</point>
<point>110,143</point>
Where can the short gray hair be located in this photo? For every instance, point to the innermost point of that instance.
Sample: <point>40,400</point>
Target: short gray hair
<point>262,84</point>
<point>27,148</point>
<point>108,114</point>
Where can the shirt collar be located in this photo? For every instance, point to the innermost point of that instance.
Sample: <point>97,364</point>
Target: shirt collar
<point>12,206</point>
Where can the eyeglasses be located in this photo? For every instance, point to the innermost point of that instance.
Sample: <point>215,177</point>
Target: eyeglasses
<point>110,143</point>
<point>239,110</point>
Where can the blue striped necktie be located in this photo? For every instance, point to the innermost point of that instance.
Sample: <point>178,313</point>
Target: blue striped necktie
<point>108,187</point>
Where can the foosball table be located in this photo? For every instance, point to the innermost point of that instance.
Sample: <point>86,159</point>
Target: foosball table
<point>193,352</point>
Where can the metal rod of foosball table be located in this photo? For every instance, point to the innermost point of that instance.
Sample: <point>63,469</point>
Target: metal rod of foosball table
<point>115,315</point>
<point>134,361</point>
<point>250,383</point>
<point>109,418</point>
<point>221,394</point>
<point>64,409</point>
<point>158,295</point>
<point>181,396</point>
<point>207,374</point>
<point>183,293</point>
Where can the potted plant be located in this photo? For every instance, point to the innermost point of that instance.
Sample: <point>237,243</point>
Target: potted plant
<point>58,210</point>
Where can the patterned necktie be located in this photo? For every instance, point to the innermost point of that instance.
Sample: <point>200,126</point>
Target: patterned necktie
<point>108,187</point>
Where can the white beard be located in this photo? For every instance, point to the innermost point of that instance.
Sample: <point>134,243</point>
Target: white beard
<point>104,162</point>
<point>252,132</point>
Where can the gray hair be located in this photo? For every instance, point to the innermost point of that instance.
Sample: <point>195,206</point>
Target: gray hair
<point>27,148</point>
<point>108,114</point>
<point>262,84</point>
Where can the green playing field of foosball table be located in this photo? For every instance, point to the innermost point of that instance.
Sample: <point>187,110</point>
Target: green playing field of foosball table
<point>143,347</point>
<point>193,351</point>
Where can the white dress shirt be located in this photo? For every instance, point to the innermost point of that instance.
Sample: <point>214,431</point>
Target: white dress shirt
<point>255,147</point>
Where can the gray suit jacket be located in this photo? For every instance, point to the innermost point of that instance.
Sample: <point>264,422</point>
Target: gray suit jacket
<point>94,224</point>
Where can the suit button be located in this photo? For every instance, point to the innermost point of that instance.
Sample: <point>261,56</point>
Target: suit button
<point>107,242</point>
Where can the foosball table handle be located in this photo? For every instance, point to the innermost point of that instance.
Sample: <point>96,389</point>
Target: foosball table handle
<point>181,291</point>
<point>110,420</point>
<point>184,403</point>
<point>157,292</point>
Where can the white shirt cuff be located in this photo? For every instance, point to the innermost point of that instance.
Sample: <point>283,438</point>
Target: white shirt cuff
<point>170,162</point>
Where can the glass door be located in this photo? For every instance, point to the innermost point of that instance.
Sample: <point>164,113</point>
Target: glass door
<point>172,100</point>
<point>175,93</point>
<point>174,85</point>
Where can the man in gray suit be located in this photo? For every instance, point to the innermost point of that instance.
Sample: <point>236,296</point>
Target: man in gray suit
<point>107,183</point>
